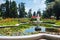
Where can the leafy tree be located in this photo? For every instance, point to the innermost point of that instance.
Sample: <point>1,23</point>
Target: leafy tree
<point>56,9</point>
<point>25,14</point>
<point>19,9</point>
<point>34,13</point>
<point>45,14</point>
<point>48,1</point>
<point>49,9</point>
<point>49,12</point>
<point>3,10</point>
<point>11,9</point>
<point>29,13</point>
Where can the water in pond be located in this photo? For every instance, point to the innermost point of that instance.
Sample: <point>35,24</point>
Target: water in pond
<point>32,29</point>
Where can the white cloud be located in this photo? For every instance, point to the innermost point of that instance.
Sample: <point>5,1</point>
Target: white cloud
<point>43,5</point>
<point>37,1</point>
<point>39,4</point>
<point>2,1</point>
<point>27,9</point>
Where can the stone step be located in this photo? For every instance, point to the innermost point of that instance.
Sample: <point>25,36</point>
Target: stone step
<point>42,39</point>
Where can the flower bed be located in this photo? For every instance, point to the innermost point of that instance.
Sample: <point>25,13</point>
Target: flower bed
<point>8,22</point>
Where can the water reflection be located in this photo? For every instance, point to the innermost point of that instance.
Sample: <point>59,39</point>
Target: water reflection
<point>32,29</point>
<point>29,31</point>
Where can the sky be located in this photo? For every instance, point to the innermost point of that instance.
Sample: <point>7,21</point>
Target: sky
<point>35,5</point>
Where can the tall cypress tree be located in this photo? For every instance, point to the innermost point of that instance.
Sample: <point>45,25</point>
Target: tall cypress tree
<point>13,10</point>
<point>34,13</point>
<point>19,9</point>
<point>0,9</point>
<point>7,9</point>
<point>22,14</point>
<point>29,13</point>
<point>3,10</point>
<point>39,12</point>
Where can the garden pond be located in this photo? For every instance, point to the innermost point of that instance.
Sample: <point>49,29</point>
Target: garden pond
<point>27,31</point>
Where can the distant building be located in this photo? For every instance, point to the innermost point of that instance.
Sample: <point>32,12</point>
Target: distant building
<point>33,17</point>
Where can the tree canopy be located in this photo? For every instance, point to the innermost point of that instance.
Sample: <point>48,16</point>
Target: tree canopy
<point>53,7</point>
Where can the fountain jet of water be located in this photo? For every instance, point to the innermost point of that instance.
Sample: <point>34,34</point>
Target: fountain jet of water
<point>38,19</point>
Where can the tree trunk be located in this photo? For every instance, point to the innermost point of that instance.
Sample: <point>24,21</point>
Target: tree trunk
<point>57,17</point>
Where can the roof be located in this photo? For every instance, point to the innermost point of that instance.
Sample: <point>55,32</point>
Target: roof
<point>34,17</point>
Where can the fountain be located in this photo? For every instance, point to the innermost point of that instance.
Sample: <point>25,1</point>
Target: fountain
<point>38,22</point>
<point>39,28</point>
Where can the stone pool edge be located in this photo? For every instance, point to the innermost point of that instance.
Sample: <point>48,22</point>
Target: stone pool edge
<point>30,37</point>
